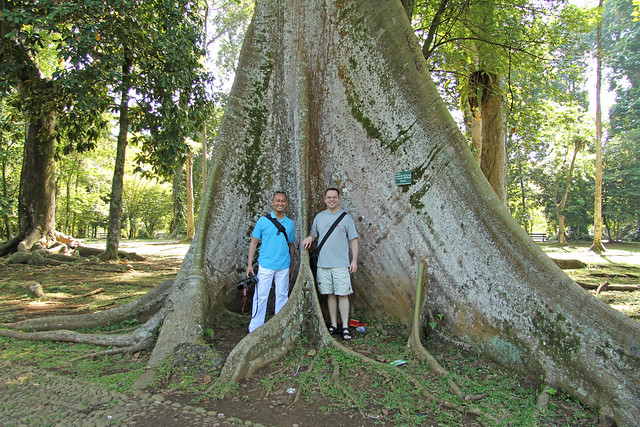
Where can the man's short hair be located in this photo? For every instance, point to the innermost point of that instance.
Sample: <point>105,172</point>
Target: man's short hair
<point>280,192</point>
<point>330,189</point>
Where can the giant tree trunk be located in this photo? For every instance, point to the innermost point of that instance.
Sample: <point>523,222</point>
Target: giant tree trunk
<point>338,94</point>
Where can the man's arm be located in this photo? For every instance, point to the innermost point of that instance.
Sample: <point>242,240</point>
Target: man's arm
<point>354,256</point>
<point>252,251</point>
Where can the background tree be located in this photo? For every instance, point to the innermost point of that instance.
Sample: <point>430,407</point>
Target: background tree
<point>621,43</point>
<point>155,48</point>
<point>561,141</point>
<point>501,54</point>
<point>56,108</point>
<point>147,205</point>
<point>597,211</point>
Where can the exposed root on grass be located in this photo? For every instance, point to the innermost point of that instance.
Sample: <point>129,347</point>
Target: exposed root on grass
<point>142,308</point>
<point>144,334</point>
<point>415,344</point>
<point>312,366</point>
<point>335,377</point>
<point>141,334</point>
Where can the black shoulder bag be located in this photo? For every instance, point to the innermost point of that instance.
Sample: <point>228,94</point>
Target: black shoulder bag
<point>313,257</point>
<point>279,226</point>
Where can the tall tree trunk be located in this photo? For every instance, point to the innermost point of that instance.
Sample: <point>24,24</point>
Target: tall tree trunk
<point>178,208</point>
<point>67,205</point>
<point>115,204</point>
<point>5,194</point>
<point>597,245</point>
<point>204,157</point>
<point>494,147</point>
<point>189,187</point>
<point>562,237</point>
<point>475,104</point>
<point>36,206</point>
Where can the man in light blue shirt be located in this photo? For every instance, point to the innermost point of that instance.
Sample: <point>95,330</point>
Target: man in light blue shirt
<point>275,259</point>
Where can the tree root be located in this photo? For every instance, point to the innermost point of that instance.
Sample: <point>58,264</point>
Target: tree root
<point>143,307</point>
<point>132,349</point>
<point>87,251</point>
<point>36,236</point>
<point>88,294</point>
<point>312,365</point>
<point>415,343</point>
<point>10,245</point>
<point>335,377</point>
<point>71,336</point>
<point>146,334</point>
<point>140,339</point>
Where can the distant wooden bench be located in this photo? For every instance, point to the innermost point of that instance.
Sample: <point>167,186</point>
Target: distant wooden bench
<point>538,237</point>
<point>102,235</point>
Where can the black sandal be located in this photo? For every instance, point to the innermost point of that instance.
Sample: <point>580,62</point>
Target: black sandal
<point>346,335</point>
<point>333,330</point>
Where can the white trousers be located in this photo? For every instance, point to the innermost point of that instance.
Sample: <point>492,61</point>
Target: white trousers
<point>261,295</point>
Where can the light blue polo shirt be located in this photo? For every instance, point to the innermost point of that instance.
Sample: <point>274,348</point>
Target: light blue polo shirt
<point>274,248</point>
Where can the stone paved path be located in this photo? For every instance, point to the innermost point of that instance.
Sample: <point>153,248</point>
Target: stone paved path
<point>38,398</point>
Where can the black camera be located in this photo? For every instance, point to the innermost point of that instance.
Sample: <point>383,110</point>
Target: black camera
<point>248,282</point>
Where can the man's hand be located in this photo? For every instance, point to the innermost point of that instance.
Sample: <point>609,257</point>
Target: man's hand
<point>353,267</point>
<point>249,270</point>
<point>306,243</point>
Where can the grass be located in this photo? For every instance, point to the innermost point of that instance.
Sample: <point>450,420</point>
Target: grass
<point>383,392</point>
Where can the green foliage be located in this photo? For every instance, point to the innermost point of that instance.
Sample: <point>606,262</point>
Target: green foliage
<point>621,180</point>
<point>226,24</point>
<point>11,146</point>
<point>621,187</point>
<point>539,170</point>
<point>146,203</point>
<point>533,44</point>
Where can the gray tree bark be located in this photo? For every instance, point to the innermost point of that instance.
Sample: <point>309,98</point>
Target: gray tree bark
<point>338,94</point>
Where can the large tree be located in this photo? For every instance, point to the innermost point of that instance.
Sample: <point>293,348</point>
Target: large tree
<point>338,94</point>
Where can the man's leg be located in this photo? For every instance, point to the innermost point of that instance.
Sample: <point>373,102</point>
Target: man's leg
<point>343,302</point>
<point>259,310</point>
<point>282,288</point>
<point>332,305</point>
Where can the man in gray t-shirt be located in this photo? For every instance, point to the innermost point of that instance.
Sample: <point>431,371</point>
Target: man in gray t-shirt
<point>334,268</point>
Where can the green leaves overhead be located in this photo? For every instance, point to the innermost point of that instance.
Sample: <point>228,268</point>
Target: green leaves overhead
<point>67,57</point>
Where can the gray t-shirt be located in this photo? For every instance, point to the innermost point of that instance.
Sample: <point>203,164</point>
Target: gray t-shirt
<point>335,252</point>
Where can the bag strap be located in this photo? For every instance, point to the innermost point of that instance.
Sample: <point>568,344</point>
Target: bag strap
<point>279,226</point>
<point>326,236</point>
